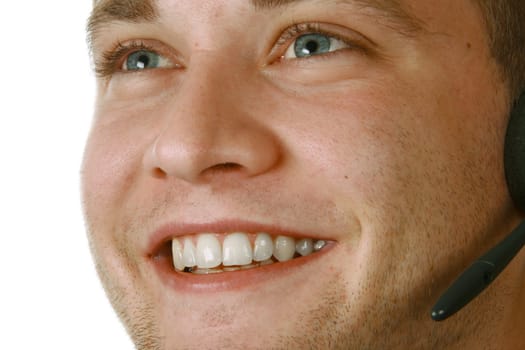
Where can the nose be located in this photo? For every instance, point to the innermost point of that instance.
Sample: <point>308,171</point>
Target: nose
<point>209,132</point>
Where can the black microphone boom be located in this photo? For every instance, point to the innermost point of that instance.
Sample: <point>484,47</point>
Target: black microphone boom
<point>479,275</point>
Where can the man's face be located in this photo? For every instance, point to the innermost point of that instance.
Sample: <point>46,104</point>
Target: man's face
<point>368,133</point>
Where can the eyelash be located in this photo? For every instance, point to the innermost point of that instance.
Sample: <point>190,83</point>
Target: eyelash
<point>112,60</point>
<point>299,29</point>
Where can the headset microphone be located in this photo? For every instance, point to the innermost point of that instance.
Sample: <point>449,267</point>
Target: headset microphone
<point>484,270</point>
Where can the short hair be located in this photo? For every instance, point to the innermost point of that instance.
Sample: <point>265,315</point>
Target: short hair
<point>505,23</point>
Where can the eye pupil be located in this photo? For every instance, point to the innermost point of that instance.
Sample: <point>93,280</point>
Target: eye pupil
<point>312,46</point>
<point>142,61</point>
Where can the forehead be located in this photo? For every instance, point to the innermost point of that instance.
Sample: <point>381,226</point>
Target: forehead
<point>407,17</point>
<point>411,12</point>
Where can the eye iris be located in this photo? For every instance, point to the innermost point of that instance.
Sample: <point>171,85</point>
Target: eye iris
<point>142,60</point>
<point>311,44</point>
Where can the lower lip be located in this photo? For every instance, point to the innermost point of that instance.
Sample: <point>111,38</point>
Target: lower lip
<point>234,280</point>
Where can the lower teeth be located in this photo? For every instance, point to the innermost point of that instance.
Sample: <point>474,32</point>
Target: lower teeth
<point>201,271</point>
<point>206,271</point>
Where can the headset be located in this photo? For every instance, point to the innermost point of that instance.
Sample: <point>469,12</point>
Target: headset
<point>485,270</point>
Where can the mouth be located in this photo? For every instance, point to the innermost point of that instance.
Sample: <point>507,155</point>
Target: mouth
<point>229,259</point>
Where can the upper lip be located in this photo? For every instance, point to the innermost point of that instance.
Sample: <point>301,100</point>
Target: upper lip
<point>168,231</point>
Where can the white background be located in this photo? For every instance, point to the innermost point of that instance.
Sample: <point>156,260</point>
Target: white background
<point>50,297</point>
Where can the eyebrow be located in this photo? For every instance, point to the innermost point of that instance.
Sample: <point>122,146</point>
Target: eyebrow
<point>107,11</point>
<point>390,12</point>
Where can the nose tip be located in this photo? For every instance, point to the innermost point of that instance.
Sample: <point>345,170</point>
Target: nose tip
<point>202,156</point>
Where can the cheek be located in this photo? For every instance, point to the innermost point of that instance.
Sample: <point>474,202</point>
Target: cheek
<point>354,141</point>
<point>105,172</point>
<point>112,163</point>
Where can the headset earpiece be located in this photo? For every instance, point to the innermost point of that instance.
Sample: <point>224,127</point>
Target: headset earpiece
<point>515,153</point>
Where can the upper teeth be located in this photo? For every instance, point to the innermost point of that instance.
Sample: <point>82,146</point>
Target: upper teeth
<point>236,250</point>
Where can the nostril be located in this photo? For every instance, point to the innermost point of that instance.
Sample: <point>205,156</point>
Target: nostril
<point>227,166</point>
<point>224,167</point>
<point>217,168</point>
<point>158,173</point>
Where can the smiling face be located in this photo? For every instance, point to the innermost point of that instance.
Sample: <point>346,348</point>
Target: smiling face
<point>233,137</point>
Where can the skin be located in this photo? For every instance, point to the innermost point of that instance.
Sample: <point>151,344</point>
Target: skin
<point>393,152</point>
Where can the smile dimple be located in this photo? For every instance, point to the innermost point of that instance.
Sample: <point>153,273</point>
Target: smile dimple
<point>209,253</point>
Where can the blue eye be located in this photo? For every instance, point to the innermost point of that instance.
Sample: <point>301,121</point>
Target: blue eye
<point>311,44</point>
<point>314,44</point>
<point>142,60</point>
